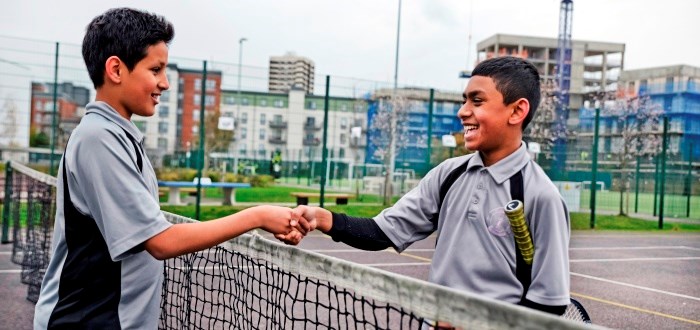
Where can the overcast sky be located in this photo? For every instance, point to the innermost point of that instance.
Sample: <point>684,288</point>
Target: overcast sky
<point>357,38</point>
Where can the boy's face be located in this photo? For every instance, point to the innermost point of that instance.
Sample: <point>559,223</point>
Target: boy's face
<point>484,116</point>
<point>143,85</point>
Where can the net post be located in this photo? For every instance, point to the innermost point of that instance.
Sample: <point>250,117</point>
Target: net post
<point>6,207</point>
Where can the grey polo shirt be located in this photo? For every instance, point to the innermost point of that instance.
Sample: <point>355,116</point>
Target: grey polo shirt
<point>475,251</point>
<point>106,186</point>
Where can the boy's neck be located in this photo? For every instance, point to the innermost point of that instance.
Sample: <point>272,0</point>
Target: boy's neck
<point>494,156</point>
<point>106,97</point>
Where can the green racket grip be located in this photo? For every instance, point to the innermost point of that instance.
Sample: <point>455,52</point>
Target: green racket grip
<point>515,212</point>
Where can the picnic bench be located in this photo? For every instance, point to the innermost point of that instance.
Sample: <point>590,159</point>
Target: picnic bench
<point>303,197</point>
<point>174,187</point>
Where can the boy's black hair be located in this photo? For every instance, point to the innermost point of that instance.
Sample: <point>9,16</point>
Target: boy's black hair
<point>123,32</point>
<point>514,78</point>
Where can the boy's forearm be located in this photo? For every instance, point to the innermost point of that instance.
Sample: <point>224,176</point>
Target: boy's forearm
<point>185,238</point>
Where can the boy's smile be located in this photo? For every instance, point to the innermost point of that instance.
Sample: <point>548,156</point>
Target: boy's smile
<point>142,86</point>
<point>485,119</point>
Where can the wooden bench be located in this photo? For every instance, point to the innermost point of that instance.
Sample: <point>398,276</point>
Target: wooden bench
<point>303,197</point>
<point>174,188</point>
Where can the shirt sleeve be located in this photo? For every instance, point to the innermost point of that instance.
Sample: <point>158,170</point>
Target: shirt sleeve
<point>409,220</point>
<point>550,227</point>
<point>106,184</point>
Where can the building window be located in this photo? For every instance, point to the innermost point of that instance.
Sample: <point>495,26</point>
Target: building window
<point>163,111</point>
<point>229,99</point>
<point>242,150</point>
<point>262,119</point>
<point>211,85</point>
<point>279,103</point>
<point>261,150</point>
<point>244,101</point>
<point>262,134</point>
<point>312,105</point>
<point>244,133</point>
<point>244,118</point>
<point>210,100</point>
<point>196,99</point>
<point>195,114</point>
<point>198,84</point>
<point>165,96</point>
<point>263,102</point>
<point>343,123</point>
<point>162,143</point>
<point>343,138</point>
<point>341,153</point>
<point>163,127</point>
<point>343,107</point>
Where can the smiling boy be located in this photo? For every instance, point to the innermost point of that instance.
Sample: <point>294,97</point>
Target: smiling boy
<point>476,251</point>
<point>110,236</point>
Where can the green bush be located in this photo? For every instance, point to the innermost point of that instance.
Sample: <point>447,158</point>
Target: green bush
<point>230,177</point>
<point>215,176</point>
<point>261,180</point>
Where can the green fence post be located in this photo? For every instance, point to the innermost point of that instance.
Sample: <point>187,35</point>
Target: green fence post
<point>636,187</point>
<point>299,167</point>
<point>6,207</point>
<point>54,115</point>
<point>662,189</point>
<point>200,155</point>
<point>656,182</point>
<point>690,179</point>
<point>324,151</point>
<point>594,170</point>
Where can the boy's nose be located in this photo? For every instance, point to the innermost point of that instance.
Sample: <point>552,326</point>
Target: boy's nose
<point>164,84</point>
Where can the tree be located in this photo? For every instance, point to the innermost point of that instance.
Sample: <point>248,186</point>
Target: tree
<point>38,139</point>
<point>215,140</point>
<point>390,129</point>
<point>541,128</point>
<point>636,132</point>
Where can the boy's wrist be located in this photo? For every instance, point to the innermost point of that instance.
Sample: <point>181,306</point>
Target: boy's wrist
<point>324,220</point>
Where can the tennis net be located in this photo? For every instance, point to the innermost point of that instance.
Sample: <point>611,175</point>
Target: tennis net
<point>251,282</point>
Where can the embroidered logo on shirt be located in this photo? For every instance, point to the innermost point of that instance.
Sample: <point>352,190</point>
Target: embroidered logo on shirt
<point>497,222</point>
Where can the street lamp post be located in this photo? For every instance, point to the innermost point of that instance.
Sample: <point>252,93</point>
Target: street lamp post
<point>388,193</point>
<point>238,94</point>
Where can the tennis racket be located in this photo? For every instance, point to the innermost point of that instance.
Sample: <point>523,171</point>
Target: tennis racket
<point>576,312</point>
<point>516,216</point>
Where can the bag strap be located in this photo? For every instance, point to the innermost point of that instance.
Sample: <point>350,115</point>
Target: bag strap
<point>523,271</point>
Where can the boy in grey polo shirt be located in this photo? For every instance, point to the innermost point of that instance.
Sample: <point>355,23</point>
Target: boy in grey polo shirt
<point>110,236</point>
<point>476,251</point>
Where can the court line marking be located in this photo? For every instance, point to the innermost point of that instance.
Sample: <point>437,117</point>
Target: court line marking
<point>633,259</point>
<point>635,286</point>
<point>673,247</point>
<point>10,271</point>
<point>678,318</point>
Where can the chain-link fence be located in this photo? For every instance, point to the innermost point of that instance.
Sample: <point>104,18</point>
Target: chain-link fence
<point>265,120</point>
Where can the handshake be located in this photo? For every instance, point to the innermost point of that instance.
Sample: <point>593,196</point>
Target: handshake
<point>291,225</point>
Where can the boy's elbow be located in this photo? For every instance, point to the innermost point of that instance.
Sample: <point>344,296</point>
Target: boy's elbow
<point>157,251</point>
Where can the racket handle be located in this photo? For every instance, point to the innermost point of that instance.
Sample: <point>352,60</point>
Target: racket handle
<point>515,212</point>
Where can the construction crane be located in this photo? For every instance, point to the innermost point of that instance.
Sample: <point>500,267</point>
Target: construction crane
<point>563,75</point>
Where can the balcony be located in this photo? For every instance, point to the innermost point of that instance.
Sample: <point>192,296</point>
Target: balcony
<point>311,142</point>
<point>312,127</point>
<point>277,140</point>
<point>278,124</point>
<point>358,143</point>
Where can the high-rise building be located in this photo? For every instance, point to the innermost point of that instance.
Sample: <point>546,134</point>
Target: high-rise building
<point>595,65</point>
<point>291,71</point>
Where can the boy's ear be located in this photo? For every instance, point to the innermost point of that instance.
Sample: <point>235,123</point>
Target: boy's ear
<point>520,109</point>
<point>113,70</point>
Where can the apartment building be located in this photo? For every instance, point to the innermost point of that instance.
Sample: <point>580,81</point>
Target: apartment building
<point>289,71</point>
<point>412,151</point>
<point>676,89</point>
<point>70,107</point>
<point>292,123</point>
<point>595,65</point>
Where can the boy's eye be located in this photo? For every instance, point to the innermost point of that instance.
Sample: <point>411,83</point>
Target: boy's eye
<point>156,69</point>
